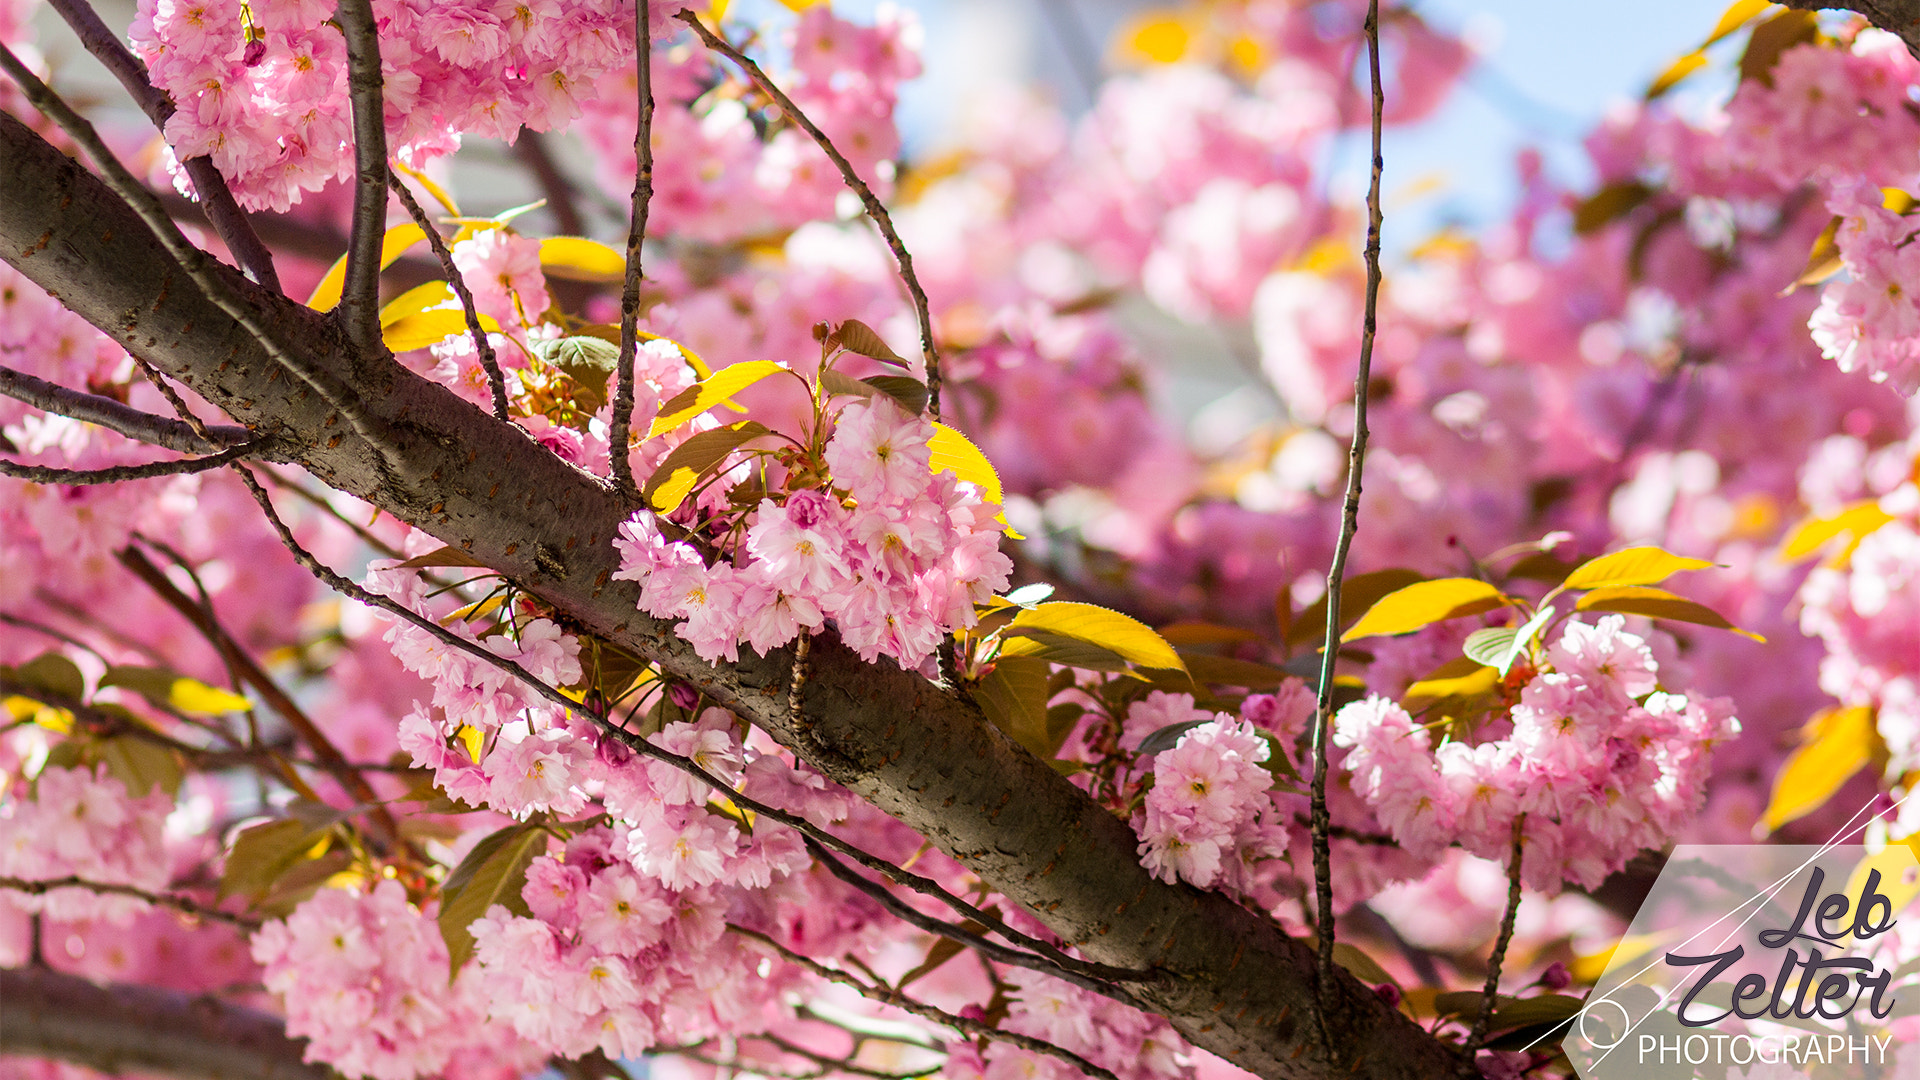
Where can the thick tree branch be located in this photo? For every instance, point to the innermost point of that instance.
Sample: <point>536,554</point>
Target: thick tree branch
<point>174,435</point>
<point>145,1030</point>
<point>1898,17</point>
<point>215,198</point>
<point>1236,985</point>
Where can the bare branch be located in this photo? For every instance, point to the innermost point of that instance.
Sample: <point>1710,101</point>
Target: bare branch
<point>186,905</point>
<point>458,282</point>
<point>176,435</point>
<point>619,448</point>
<point>1319,818</point>
<point>875,208</point>
<point>216,200</point>
<point>1491,992</point>
<point>360,296</point>
<point>926,1012</point>
<point>145,1030</point>
<point>42,474</point>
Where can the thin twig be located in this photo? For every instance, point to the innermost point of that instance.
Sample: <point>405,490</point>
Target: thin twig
<point>195,263</point>
<point>216,200</point>
<point>1349,522</point>
<point>182,904</point>
<point>991,950</point>
<point>1491,991</point>
<point>845,1064</point>
<point>176,435</point>
<point>360,296</point>
<point>926,1012</point>
<point>618,441</point>
<point>42,474</point>
<point>874,207</point>
<point>458,282</point>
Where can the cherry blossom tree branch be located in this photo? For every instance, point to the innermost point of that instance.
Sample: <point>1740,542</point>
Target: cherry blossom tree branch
<point>1237,985</point>
<point>458,283</point>
<point>1898,17</point>
<point>118,474</point>
<point>185,257</point>
<point>118,1028</point>
<point>360,296</point>
<point>1319,818</point>
<point>619,448</point>
<point>216,200</point>
<point>1489,996</point>
<point>896,999</point>
<point>176,435</point>
<point>186,905</point>
<point>876,209</point>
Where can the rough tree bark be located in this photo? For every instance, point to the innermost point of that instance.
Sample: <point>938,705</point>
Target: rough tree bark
<point>1233,983</point>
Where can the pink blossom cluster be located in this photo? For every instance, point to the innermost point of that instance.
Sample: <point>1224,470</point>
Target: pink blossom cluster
<point>1209,819</point>
<point>1863,609</point>
<point>1871,320</point>
<point>1132,1044</point>
<point>890,551</point>
<point>363,975</point>
<point>262,88</point>
<point>1831,113</point>
<point>83,823</point>
<point>1597,759</point>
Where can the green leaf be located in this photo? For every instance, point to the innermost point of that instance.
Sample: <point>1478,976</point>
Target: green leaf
<point>711,391</point>
<point>1029,595</point>
<point>1060,649</point>
<point>1167,737</point>
<point>1658,604</point>
<point>1014,696</point>
<point>1123,635</point>
<point>1357,594</point>
<point>1523,637</point>
<point>1634,566</point>
<point>694,459</point>
<point>141,764</point>
<point>908,392</point>
<point>586,360</point>
<point>1773,37</point>
<point>1425,603</point>
<point>857,337</point>
<point>1490,645</point>
<point>53,673</point>
<point>1607,204</point>
<point>1835,744</point>
<point>262,853</point>
<point>494,872</point>
<point>839,382</point>
<point>1364,967</point>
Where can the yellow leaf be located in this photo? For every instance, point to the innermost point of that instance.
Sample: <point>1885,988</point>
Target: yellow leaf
<point>1123,635</point>
<point>1424,603</point>
<point>198,699</point>
<point>1460,677</point>
<point>326,296</point>
<point>1737,15</point>
<point>801,5</point>
<point>426,184</point>
<point>416,300</point>
<point>1163,39</point>
<point>1893,862</point>
<point>674,490</point>
<point>1675,72</point>
<point>474,740</point>
<point>1856,521</point>
<point>1657,604</point>
<point>1824,260</point>
<point>711,391</point>
<point>1896,200</point>
<point>575,258</point>
<point>428,328</point>
<point>1837,743</point>
<point>1634,566</point>
<point>952,452</point>
<point>20,708</point>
